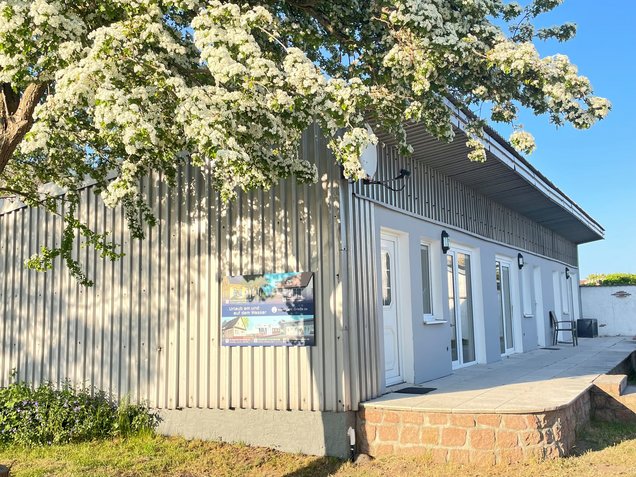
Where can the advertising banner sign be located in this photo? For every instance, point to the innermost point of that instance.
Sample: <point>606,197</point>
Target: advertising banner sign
<point>270,309</point>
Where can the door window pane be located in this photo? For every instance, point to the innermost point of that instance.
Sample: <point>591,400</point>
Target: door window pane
<point>386,278</point>
<point>506,337</point>
<point>426,280</point>
<point>466,307</point>
<point>508,306</point>
<point>502,326</point>
<point>451,306</point>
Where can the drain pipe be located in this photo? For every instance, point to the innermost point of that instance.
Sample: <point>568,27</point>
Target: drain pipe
<point>352,443</point>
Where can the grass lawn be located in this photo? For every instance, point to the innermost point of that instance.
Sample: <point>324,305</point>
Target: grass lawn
<point>605,450</point>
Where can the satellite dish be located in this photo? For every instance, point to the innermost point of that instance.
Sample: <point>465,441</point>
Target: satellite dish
<point>369,158</point>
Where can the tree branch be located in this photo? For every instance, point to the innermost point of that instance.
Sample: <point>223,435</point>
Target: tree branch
<point>10,100</point>
<point>19,119</point>
<point>309,7</point>
<point>29,100</point>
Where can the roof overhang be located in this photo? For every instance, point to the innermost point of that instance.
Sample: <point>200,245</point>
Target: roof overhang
<point>506,177</point>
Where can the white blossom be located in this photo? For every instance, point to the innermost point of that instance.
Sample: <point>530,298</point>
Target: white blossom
<point>139,86</point>
<point>523,141</point>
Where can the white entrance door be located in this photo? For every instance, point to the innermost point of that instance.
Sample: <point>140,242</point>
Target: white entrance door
<point>460,306</point>
<point>390,310</point>
<point>506,333</point>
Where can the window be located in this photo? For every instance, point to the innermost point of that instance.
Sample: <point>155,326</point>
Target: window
<point>565,295</point>
<point>427,302</point>
<point>526,283</point>
<point>386,278</point>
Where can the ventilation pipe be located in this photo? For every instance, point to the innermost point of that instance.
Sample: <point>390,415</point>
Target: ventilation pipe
<point>352,443</point>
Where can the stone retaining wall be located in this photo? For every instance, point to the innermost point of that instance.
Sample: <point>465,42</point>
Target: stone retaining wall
<point>612,399</point>
<point>613,408</point>
<point>472,437</point>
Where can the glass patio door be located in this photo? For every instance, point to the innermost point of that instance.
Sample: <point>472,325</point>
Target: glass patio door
<point>506,336</point>
<point>460,305</point>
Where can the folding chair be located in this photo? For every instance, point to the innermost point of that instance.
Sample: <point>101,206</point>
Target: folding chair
<point>557,326</point>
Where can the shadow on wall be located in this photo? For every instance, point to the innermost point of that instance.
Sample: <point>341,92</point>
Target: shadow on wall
<point>150,327</point>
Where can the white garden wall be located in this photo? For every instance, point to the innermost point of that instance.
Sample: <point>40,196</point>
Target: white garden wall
<point>614,307</point>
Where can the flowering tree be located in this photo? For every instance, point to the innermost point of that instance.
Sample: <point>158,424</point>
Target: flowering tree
<point>140,86</point>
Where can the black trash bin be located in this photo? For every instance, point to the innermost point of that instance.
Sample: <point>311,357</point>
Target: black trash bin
<point>587,327</point>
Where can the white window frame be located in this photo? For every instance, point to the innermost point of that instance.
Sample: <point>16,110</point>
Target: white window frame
<point>427,317</point>
<point>478,301</point>
<point>515,299</point>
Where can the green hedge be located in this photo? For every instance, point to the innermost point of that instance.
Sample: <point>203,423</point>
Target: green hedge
<point>613,279</point>
<point>46,415</point>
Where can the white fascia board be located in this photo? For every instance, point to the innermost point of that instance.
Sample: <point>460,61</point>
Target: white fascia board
<point>505,157</point>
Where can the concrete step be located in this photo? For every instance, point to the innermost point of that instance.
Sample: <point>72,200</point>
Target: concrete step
<point>630,390</point>
<point>612,384</point>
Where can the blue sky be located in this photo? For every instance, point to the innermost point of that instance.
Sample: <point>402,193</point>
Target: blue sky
<point>597,167</point>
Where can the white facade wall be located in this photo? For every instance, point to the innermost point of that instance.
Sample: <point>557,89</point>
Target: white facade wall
<point>428,342</point>
<point>616,314</point>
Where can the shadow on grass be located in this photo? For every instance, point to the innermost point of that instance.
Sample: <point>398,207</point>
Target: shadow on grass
<point>600,434</point>
<point>322,467</point>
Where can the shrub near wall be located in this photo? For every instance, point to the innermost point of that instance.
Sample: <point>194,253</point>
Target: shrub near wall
<point>46,415</point>
<point>613,279</point>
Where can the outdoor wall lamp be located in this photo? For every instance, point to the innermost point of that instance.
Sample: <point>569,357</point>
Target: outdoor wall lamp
<point>520,261</point>
<point>445,242</point>
<point>567,273</point>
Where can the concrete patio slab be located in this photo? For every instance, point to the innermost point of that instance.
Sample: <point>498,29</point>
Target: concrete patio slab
<point>526,406</point>
<point>537,381</point>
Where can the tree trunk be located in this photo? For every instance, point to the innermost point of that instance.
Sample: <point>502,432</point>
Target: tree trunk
<point>16,117</point>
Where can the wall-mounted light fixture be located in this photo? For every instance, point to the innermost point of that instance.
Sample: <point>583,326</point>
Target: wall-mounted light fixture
<point>404,173</point>
<point>567,273</point>
<point>520,261</point>
<point>445,241</point>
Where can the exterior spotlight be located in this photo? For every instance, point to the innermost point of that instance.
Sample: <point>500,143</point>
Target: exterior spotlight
<point>567,273</point>
<point>445,242</point>
<point>520,261</point>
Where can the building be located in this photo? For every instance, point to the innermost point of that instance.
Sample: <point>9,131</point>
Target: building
<point>235,327</point>
<point>392,304</point>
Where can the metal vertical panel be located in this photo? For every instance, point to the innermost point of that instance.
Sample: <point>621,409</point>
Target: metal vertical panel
<point>454,203</point>
<point>150,328</point>
<point>149,287</point>
<point>97,303</point>
<point>363,298</point>
<point>4,299</point>
<point>84,345</point>
<point>13,312</point>
<point>39,319</point>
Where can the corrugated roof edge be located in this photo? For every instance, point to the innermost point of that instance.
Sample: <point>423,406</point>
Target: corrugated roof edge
<point>511,150</point>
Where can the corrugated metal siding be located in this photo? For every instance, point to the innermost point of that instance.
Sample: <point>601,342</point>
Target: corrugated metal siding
<point>366,380</point>
<point>150,327</point>
<point>432,195</point>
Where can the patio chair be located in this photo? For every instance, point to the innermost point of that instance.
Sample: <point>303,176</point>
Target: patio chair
<point>569,325</point>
